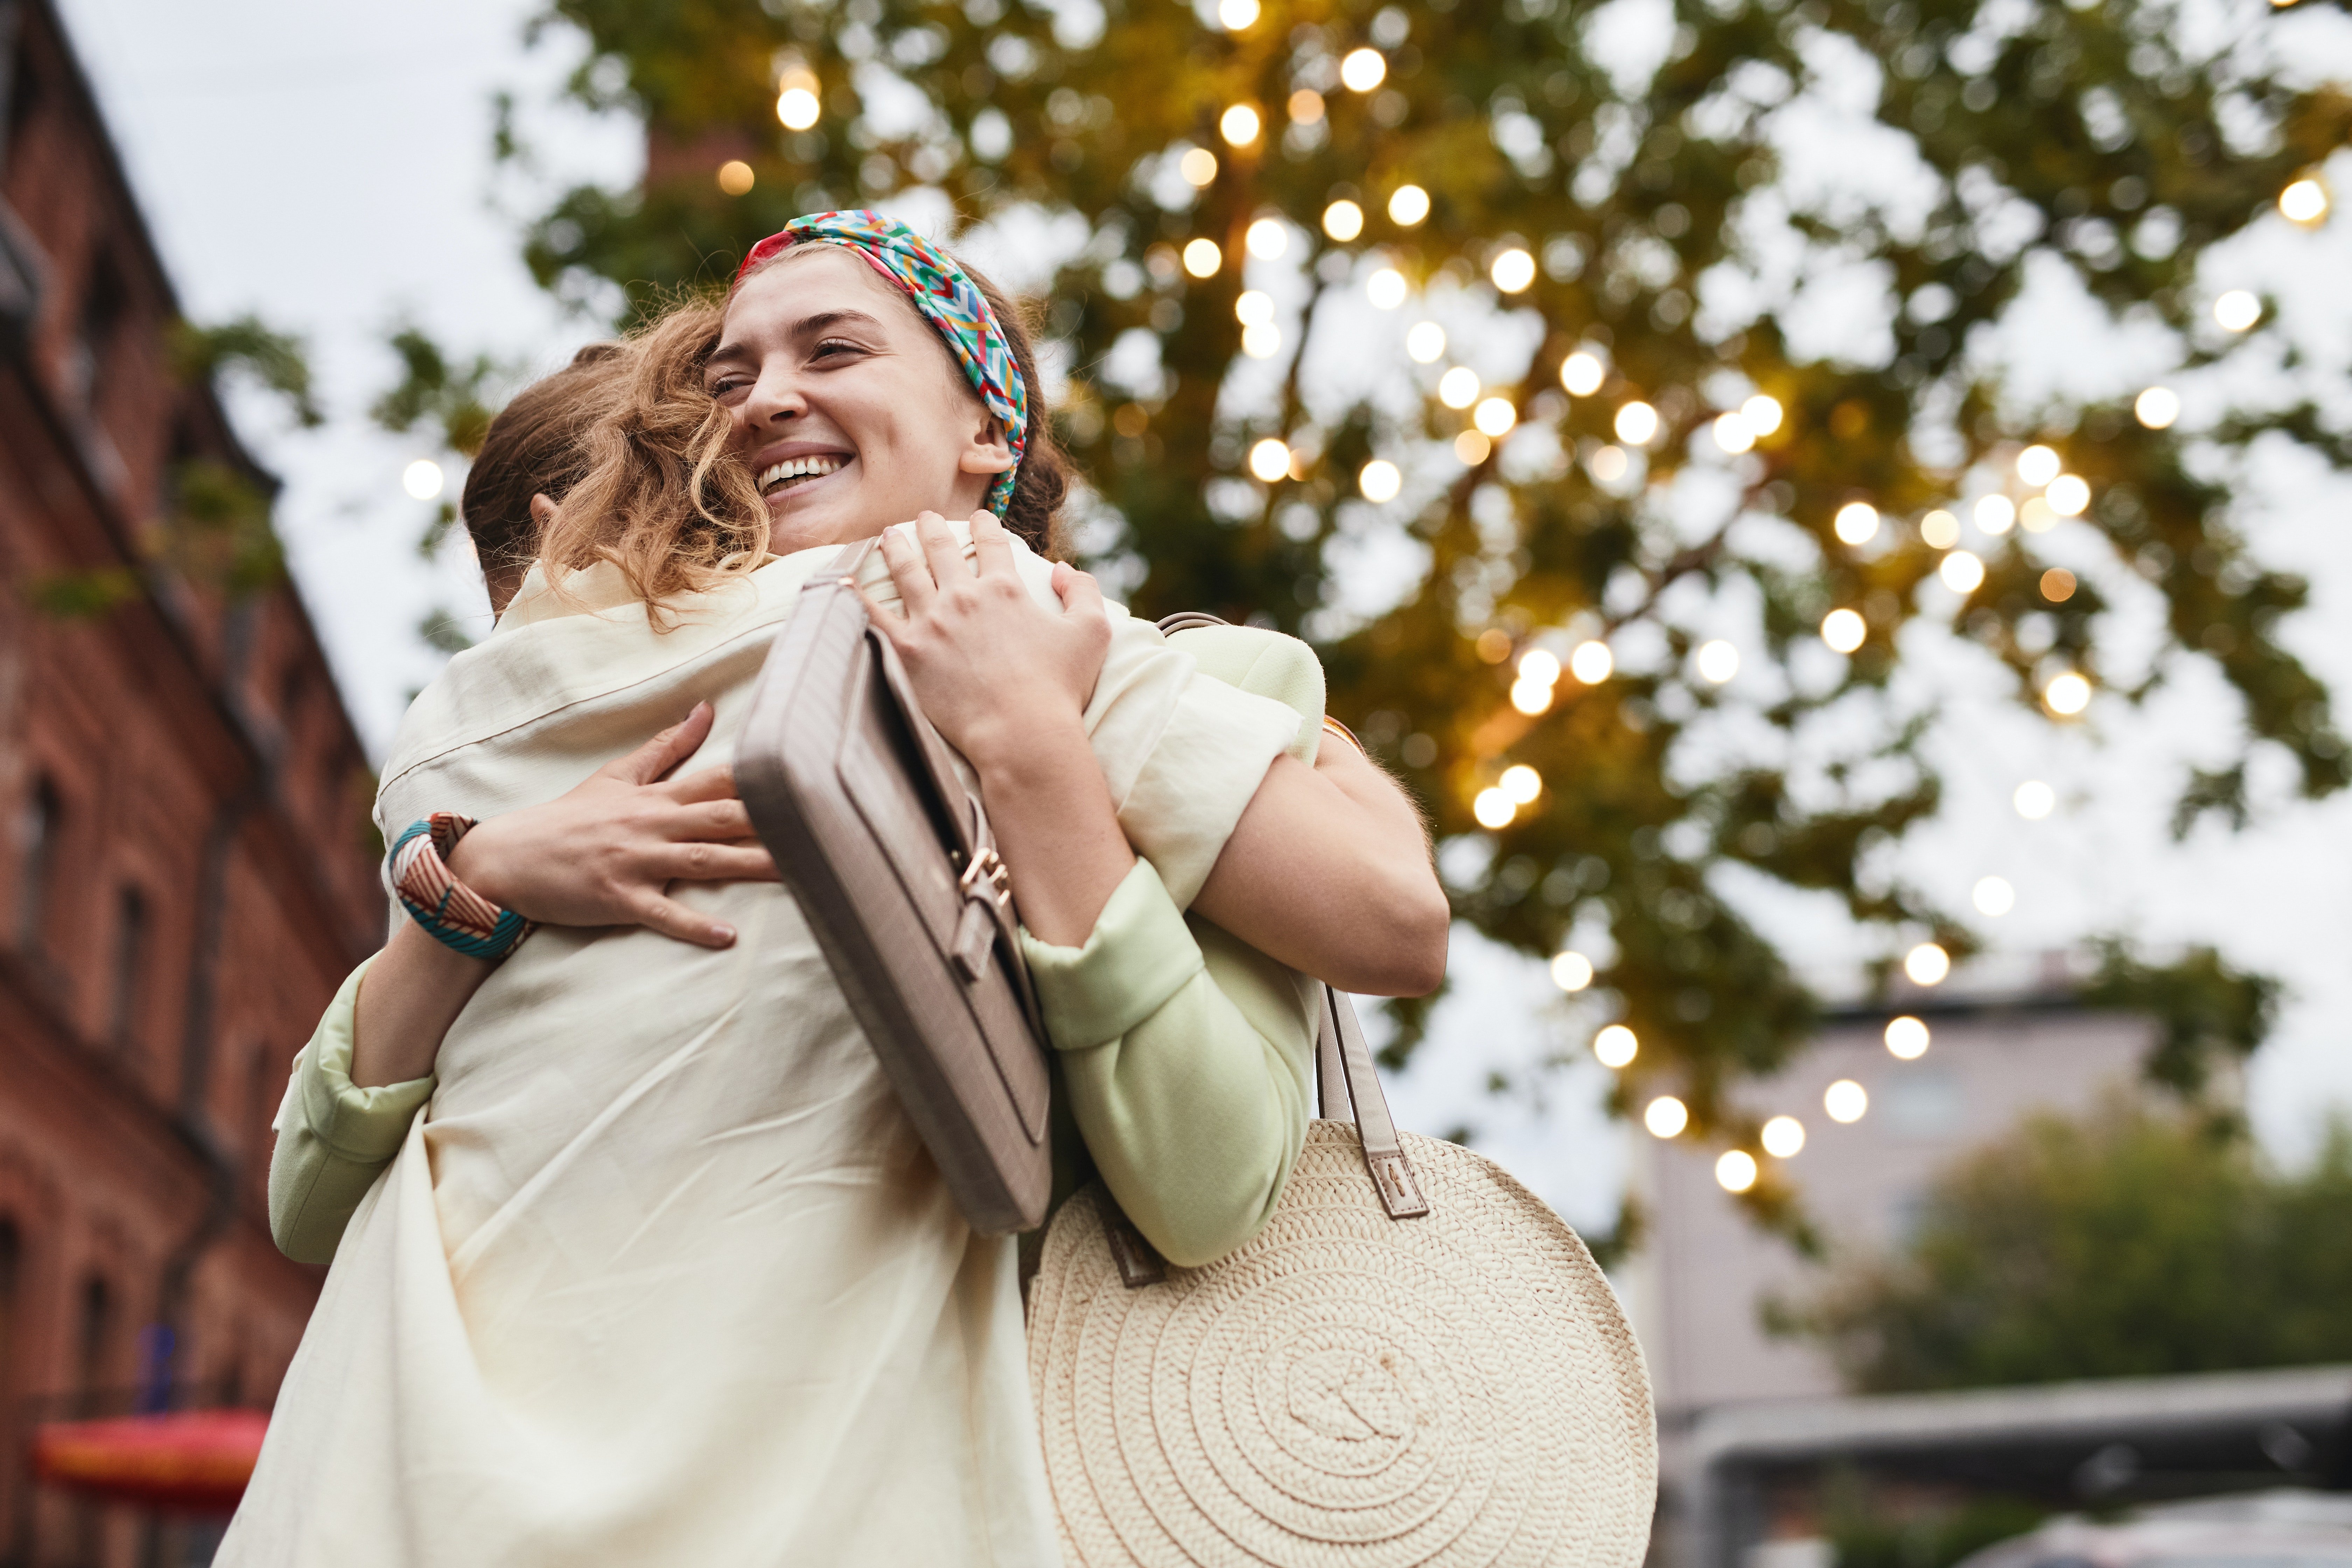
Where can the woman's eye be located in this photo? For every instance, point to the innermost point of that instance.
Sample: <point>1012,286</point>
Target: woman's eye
<point>834,347</point>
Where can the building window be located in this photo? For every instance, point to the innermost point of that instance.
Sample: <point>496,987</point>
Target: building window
<point>12,1268</point>
<point>104,301</point>
<point>130,963</point>
<point>96,1331</point>
<point>37,848</point>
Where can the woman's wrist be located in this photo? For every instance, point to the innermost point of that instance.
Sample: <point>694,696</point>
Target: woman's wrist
<point>1016,742</point>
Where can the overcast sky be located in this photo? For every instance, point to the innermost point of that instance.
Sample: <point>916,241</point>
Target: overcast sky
<point>328,166</point>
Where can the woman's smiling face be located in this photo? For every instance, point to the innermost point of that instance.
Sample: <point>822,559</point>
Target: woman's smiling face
<point>851,412</point>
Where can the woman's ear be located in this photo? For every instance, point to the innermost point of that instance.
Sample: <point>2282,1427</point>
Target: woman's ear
<point>987,452</point>
<point>542,511</point>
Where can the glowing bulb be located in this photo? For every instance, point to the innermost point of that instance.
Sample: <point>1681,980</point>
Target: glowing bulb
<point>1845,1100</point>
<point>1636,423</point>
<point>1360,71</point>
<point>2034,800</point>
<point>2237,310</point>
<point>1269,459</point>
<point>2305,201</point>
<point>1995,514</point>
<point>1907,1037</point>
<point>1513,270</point>
<point>1733,433</point>
<point>1993,895</point>
<point>1927,964</point>
<point>798,109</point>
<point>1763,415</point>
<point>1962,572</point>
<point>1198,166</point>
<point>2037,515</point>
<point>1539,665</point>
<point>1238,125</point>
<point>1493,808</point>
<point>1590,662</point>
<point>1530,697</point>
<point>1425,342</point>
<point>1609,465</point>
<point>2069,494</point>
<point>1783,1137</point>
<point>1263,340</point>
<point>1380,480</point>
<point>1939,529</point>
<point>1843,630</point>
<point>1409,206</point>
<point>1268,237</point>
<point>1572,970</point>
<point>2037,466</point>
<point>1857,523</point>
<point>1254,309</point>
<point>2158,407</point>
<point>735,177</point>
<point>1616,1046</point>
<point>1581,374</point>
<point>1719,661</point>
<point>1665,1117</point>
<point>1305,106</point>
<point>2067,695</point>
<point>1495,416</point>
<point>1521,783</point>
<point>1343,221</point>
<point>1201,257</point>
<point>1735,1169</point>
<point>1236,14</point>
<point>1471,447</point>
<point>1385,288</point>
<point>1458,387</point>
<point>422,479</point>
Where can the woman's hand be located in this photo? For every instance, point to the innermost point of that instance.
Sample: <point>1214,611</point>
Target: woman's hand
<point>605,854</point>
<point>991,667</point>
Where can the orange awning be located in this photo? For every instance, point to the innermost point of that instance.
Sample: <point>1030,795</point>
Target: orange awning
<point>194,1461</point>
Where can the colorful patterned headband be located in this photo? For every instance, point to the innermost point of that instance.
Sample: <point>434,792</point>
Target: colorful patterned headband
<point>947,299</point>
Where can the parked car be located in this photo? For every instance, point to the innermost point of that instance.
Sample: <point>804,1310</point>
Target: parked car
<point>2281,1528</point>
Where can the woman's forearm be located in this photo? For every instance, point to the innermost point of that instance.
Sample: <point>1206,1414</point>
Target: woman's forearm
<point>1056,827</point>
<point>412,993</point>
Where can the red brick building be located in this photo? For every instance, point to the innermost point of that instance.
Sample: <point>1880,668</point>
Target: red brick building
<point>186,868</point>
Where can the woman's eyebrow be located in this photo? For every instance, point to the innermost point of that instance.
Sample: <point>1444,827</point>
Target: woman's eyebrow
<point>810,326</point>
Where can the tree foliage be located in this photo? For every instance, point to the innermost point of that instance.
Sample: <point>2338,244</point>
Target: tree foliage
<point>2091,147</point>
<point>2132,1243</point>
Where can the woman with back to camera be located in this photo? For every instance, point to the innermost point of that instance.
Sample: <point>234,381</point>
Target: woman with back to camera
<point>663,1275</point>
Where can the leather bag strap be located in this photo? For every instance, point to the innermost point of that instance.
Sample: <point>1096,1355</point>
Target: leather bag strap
<point>1342,1038</point>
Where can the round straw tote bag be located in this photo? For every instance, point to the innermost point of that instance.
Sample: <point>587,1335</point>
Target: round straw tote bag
<point>1415,1363</point>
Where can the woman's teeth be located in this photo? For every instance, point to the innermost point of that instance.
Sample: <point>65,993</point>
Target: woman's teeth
<point>785,475</point>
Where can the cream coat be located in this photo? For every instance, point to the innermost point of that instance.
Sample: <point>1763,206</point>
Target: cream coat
<point>662,1274</point>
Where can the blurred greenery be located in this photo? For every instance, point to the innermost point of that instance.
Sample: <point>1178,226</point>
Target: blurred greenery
<point>2097,145</point>
<point>2134,1243</point>
<point>1870,1534</point>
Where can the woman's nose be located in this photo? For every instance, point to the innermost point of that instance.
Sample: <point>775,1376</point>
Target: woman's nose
<point>775,397</point>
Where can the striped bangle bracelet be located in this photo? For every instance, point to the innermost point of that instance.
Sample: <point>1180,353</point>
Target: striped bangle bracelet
<point>457,916</point>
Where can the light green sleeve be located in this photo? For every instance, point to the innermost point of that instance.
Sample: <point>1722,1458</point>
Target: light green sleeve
<point>335,1138</point>
<point>1186,1054</point>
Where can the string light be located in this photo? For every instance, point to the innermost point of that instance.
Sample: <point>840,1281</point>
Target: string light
<point>2237,310</point>
<point>1590,662</point>
<point>1995,514</point>
<point>1386,289</point>
<point>1609,465</point>
<point>1843,630</point>
<point>1665,1117</point>
<point>1378,481</point>
<point>2034,800</point>
<point>1263,340</point>
<point>2304,202</point>
<point>1581,373</point>
<point>735,177</point>
<point>1719,661</point>
<point>1572,972</point>
<point>2057,584</point>
<point>1458,387</point>
<point>1732,434</point>
<point>1360,71</point>
<point>1201,257</point>
<point>2158,407</point>
<point>1269,459</point>
<point>1409,206</point>
<point>1531,699</point>
<point>2067,695</point>
<point>1343,221</point>
<point>1495,416</point>
<point>1939,530</point>
<point>1236,14</point>
<point>1424,343</point>
<point>1906,1038</point>
<point>1735,1169</point>
<point>1305,106</point>
<point>1846,1101</point>
<point>1616,1046</point>
<point>2069,495</point>
<point>1198,167</point>
<point>1471,447</point>
<point>1268,239</point>
<point>422,479</point>
<point>2037,515</point>
<point>1993,895</point>
<point>1513,270</point>
<point>1636,423</point>
<point>1763,415</point>
<point>1493,808</point>
<point>1783,1137</point>
<point>1521,783</point>
<point>1255,307</point>
<point>1928,964</point>
<point>2037,466</point>
<point>1238,125</point>
<point>1962,572</point>
<point>1540,666</point>
<point>1857,523</point>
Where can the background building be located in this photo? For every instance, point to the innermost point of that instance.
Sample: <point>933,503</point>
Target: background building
<point>183,844</point>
